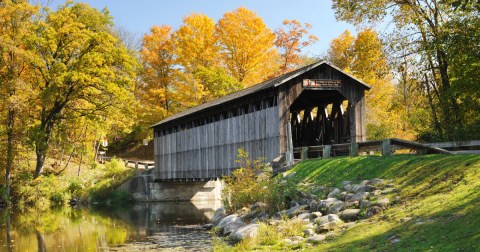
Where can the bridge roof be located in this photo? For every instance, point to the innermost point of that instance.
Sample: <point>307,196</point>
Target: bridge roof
<point>271,83</point>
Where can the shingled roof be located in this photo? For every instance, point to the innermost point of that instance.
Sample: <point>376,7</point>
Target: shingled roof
<point>274,82</point>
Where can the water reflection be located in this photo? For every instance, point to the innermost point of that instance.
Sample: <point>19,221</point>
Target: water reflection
<point>138,227</point>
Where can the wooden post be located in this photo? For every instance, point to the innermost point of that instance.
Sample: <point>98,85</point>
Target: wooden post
<point>289,153</point>
<point>327,149</point>
<point>136,165</point>
<point>353,149</point>
<point>386,147</point>
<point>304,153</point>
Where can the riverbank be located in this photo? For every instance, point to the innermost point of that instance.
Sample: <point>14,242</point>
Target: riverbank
<point>95,184</point>
<point>433,204</point>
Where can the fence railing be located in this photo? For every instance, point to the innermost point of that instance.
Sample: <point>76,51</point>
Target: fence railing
<point>386,147</point>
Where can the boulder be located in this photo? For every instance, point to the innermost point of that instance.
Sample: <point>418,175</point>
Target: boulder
<point>330,205</point>
<point>232,227</point>
<point>363,188</point>
<point>207,226</point>
<point>316,215</point>
<point>383,203</point>
<point>342,195</point>
<point>327,227</point>
<point>227,220</point>
<point>313,205</point>
<point>344,183</point>
<point>359,196</point>
<point>308,232</point>
<point>247,231</point>
<point>349,214</point>
<point>304,216</point>
<point>296,210</point>
<point>373,211</point>
<point>327,218</point>
<point>334,193</point>
<point>365,204</point>
<point>218,216</point>
<point>389,190</point>
<point>259,206</point>
<point>377,182</point>
<point>348,196</point>
<point>351,204</point>
<point>316,238</point>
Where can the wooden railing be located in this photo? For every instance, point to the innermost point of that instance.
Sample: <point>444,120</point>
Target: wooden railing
<point>385,147</point>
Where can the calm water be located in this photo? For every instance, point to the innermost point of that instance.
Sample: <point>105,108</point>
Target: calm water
<point>141,227</point>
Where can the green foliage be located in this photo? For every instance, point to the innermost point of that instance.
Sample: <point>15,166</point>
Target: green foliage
<point>252,183</point>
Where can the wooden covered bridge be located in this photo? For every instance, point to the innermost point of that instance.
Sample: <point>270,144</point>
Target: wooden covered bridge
<point>315,105</point>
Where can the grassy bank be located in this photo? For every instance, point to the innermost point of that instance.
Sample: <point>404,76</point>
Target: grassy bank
<point>95,184</point>
<point>438,207</point>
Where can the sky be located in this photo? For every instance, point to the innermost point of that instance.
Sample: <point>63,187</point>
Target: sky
<point>139,16</point>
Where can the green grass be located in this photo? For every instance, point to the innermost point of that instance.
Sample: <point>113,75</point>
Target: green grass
<point>440,193</point>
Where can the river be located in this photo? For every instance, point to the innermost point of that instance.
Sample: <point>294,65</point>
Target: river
<point>139,227</point>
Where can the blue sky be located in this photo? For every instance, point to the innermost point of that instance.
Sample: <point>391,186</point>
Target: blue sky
<point>138,16</point>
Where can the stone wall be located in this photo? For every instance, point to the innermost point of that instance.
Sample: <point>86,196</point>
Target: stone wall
<point>143,188</point>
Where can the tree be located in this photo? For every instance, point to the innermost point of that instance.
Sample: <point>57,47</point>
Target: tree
<point>160,73</point>
<point>15,56</point>
<point>82,71</point>
<point>363,57</point>
<point>290,41</point>
<point>425,24</point>
<point>247,46</point>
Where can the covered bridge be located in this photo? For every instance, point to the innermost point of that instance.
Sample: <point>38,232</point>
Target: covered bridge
<point>315,105</point>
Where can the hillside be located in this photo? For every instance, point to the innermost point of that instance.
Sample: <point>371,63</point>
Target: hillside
<point>438,210</point>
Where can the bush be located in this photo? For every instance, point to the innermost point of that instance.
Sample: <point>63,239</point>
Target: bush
<point>252,183</point>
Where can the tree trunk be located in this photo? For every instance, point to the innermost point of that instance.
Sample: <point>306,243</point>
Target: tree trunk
<point>432,107</point>
<point>8,168</point>
<point>41,146</point>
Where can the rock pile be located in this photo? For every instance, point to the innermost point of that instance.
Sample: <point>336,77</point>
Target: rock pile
<point>322,210</point>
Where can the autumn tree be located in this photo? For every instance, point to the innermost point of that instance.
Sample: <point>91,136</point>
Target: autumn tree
<point>82,71</point>
<point>426,25</point>
<point>290,40</point>
<point>16,20</point>
<point>160,73</point>
<point>247,46</point>
<point>363,57</point>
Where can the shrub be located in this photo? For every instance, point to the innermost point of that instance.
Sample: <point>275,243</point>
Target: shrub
<point>252,183</point>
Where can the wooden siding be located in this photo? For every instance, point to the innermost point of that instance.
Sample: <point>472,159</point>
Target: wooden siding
<point>210,150</point>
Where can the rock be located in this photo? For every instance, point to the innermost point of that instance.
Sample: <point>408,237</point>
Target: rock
<point>393,239</point>
<point>383,203</point>
<point>363,188</point>
<point>365,204</point>
<point>376,192</point>
<point>281,213</point>
<point>373,211</point>
<point>348,196</point>
<point>273,222</point>
<point>348,187</point>
<point>359,196</point>
<point>297,238</point>
<point>389,185</point>
<point>227,220</point>
<point>330,205</point>
<point>349,214</point>
<point>313,205</point>
<point>327,218</point>
<point>247,231</point>
<point>389,190</point>
<point>377,182</point>
<point>351,204</point>
<point>344,183</point>
<point>308,232</point>
<point>316,215</point>
<point>318,190</point>
<point>304,201</point>
<point>316,238</point>
<point>342,195</point>
<point>218,216</point>
<point>334,193</point>
<point>233,227</point>
<point>304,216</point>
<point>259,206</point>
<point>296,210</point>
<point>327,227</point>
<point>396,199</point>
<point>207,226</point>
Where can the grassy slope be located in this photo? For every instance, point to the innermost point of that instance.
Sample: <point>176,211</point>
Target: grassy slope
<point>440,193</point>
